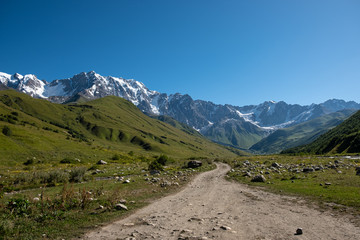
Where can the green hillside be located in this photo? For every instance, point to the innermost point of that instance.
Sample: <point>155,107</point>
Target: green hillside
<point>344,138</point>
<point>235,134</point>
<point>48,132</point>
<point>299,134</point>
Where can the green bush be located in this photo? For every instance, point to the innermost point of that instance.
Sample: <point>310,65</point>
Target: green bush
<point>77,174</point>
<point>155,165</point>
<point>162,159</point>
<point>6,131</point>
<point>58,176</point>
<point>19,206</point>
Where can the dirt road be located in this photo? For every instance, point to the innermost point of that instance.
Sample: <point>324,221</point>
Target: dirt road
<point>212,208</point>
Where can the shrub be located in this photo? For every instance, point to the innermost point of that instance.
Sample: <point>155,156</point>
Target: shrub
<point>116,157</point>
<point>77,174</point>
<point>162,159</point>
<point>6,131</point>
<point>155,165</point>
<point>58,176</point>
<point>19,206</point>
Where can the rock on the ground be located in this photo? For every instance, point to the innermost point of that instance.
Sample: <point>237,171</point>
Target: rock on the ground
<point>120,206</point>
<point>194,164</point>
<point>258,178</point>
<point>101,162</point>
<point>308,169</point>
<point>225,228</point>
<point>275,165</point>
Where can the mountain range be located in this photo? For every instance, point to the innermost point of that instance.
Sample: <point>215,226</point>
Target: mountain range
<point>343,139</point>
<point>300,134</point>
<point>97,129</point>
<point>236,126</point>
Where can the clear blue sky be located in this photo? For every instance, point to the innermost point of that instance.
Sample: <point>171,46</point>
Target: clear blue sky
<point>224,51</point>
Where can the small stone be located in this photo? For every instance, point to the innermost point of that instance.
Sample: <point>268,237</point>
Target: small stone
<point>129,224</point>
<point>225,228</point>
<point>36,199</point>
<point>275,164</point>
<point>247,174</point>
<point>154,172</point>
<point>195,219</point>
<point>120,206</point>
<point>327,184</point>
<point>101,162</point>
<point>308,169</point>
<point>299,231</point>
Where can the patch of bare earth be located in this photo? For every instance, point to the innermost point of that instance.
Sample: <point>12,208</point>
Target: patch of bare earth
<point>212,208</point>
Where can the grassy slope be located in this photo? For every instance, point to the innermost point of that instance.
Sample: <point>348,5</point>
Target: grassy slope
<point>342,182</point>
<point>344,138</point>
<point>237,134</point>
<point>300,134</point>
<point>90,131</point>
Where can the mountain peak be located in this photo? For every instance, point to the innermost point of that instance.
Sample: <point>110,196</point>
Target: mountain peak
<point>18,76</point>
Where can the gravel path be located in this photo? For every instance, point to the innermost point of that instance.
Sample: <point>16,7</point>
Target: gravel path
<point>212,208</point>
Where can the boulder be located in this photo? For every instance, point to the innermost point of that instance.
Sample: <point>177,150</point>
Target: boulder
<point>120,206</point>
<point>194,164</point>
<point>275,165</point>
<point>258,178</point>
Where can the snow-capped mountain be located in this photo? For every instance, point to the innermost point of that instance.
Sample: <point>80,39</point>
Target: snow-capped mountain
<point>28,84</point>
<point>227,124</point>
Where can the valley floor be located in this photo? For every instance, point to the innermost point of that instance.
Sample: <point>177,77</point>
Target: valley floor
<point>212,208</point>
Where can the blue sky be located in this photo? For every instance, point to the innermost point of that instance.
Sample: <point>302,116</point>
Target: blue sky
<point>226,51</point>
